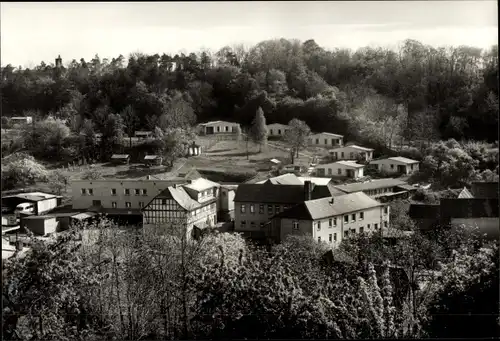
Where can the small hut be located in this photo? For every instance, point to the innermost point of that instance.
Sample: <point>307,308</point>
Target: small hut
<point>120,159</point>
<point>194,150</point>
<point>153,160</point>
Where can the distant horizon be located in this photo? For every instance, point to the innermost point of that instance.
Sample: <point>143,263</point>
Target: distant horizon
<point>35,32</point>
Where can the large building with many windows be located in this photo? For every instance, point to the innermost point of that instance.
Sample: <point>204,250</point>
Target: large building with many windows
<point>189,207</point>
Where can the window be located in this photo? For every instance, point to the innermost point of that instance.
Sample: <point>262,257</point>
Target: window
<point>368,226</point>
<point>351,154</point>
<point>326,141</point>
<point>385,224</point>
<point>342,154</point>
<point>386,210</point>
<point>270,209</point>
<point>295,225</point>
<point>243,223</point>
<point>319,225</point>
<point>113,191</point>
<point>91,191</point>
<point>127,191</point>
<point>392,166</point>
<point>319,239</point>
<point>128,204</point>
<point>330,222</point>
<point>353,217</point>
<point>276,209</point>
<point>242,208</point>
<point>279,131</point>
<point>339,171</point>
<point>144,192</point>
<point>346,219</point>
<point>270,131</point>
<point>317,141</point>
<point>353,231</point>
<point>227,128</point>
<point>329,171</point>
<point>113,204</point>
<point>361,215</point>
<point>137,191</point>
<point>218,129</point>
<point>334,221</point>
<point>252,223</point>
<point>96,202</point>
<point>84,191</point>
<point>163,201</point>
<point>141,204</point>
<point>261,209</point>
<point>335,237</point>
<point>376,226</point>
<point>346,234</point>
<point>330,238</point>
<point>252,208</point>
<point>361,229</point>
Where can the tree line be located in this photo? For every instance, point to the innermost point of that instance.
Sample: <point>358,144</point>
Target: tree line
<point>102,281</point>
<point>373,95</point>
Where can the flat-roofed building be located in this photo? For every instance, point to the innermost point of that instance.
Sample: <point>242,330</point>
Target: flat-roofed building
<point>340,169</point>
<point>396,165</point>
<point>352,152</point>
<point>326,140</point>
<point>219,127</point>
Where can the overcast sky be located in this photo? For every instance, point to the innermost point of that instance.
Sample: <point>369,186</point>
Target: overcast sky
<point>32,32</point>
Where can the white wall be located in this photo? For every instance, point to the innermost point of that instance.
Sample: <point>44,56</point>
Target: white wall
<point>330,140</point>
<point>347,153</point>
<point>46,205</point>
<point>385,165</point>
<point>332,170</point>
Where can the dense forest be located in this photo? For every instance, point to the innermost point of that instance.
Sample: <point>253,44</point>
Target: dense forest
<point>415,93</point>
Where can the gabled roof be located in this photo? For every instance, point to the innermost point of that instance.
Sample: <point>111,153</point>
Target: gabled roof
<point>349,164</point>
<point>179,195</point>
<point>465,194</point>
<point>323,208</point>
<point>201,184</point>
<point>268,193</point>
<point>285,179</point>
<point>33,196</point>
<point>120,156</point>
<point>354,146</point>
<point>398,159</point>
<point>329,134</point>
<point>217,122</point>
<point>370,185</point>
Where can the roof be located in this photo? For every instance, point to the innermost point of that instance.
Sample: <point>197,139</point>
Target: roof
<point>201,184</point>
<point>350,164</point>
<point>179,194</point>
<point>485,189</point>
<point>267,193</point>
<point>152,157</point>
<point>32,196</point>
<point>323,208</point>
<point>406,187</point>
<point>285,179</point>
<point>370,185</point>
<point>399,159</point>
<point>329,134</point>
<point>315,180</point>
<point>229,187</point>
<point>39,217</point>
<point>120,156</point>
<point>278,125</point>
<point>469,208</point>
<point>84,215</point>
<point>20,117</point>
<point>465,194</point>
<point>217,122</point>
<point>424,211</point>
<point>276,161</point>
<point>354,146</point>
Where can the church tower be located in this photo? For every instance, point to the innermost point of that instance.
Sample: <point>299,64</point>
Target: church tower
<point>58,62</point>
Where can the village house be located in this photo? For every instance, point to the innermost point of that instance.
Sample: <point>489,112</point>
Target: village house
<point>255,204</point>
<point>346,169</point>
<point>381,189</point>
<point>277,129</point>
<point>396,165</point>
<point>326,140</point>
<point>331,219</point>
<point>352,152</point>
<point>192,207</point>
<point>143,134</point>
<point>118,159</point>
<point>153,160</point>
<point>219,127</point>
<point>21,120</point>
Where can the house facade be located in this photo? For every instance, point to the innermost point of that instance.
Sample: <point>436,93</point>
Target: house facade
<point>396,165</point>
<point>326,140</point>
<point>352,152</point>
<point>380,189</point>
<point>22,120</point>
<point>185,208</point>
<point>331,219</point>
<point>347,169</point>
<point>219,127</point>
<point>277,129</point>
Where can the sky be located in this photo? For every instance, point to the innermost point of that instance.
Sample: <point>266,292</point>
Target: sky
<point>36,31</point>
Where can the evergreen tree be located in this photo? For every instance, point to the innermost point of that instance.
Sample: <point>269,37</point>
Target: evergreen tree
<point>259,129</point>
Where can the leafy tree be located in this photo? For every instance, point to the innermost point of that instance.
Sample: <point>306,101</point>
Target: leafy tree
<point>297,136</point>
<point>21,170</point>
<point>259,129</point>
<point>92,174</point>
<point>59,181</point>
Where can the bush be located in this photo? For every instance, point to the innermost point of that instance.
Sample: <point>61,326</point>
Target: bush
<point>20,170</point>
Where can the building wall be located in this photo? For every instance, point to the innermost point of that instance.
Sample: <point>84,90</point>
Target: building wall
<point>102,191</point>
<point>350,154</point>
<point>226,199</point>
<point>41,226</point>
<point>276,129</point>
<point>258,217</point>
<point>335,226</point>
<point>224,127</point>
<point>488,226</point>
<point>332,170</point>
<point>385,165</point>
<point>324,140</point>
<point>46,205</point>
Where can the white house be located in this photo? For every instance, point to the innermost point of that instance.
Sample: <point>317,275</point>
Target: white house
<point>277,129</point>
<point>352,152</point>
<point>348,169</point>
<point>396,165</point>
<point>326,140</point>
<point>219,127</point>
<point>22,120</point>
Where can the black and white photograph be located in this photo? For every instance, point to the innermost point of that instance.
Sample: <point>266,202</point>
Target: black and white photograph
<point>249,170</point>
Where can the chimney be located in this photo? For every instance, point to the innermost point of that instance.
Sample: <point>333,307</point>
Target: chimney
<point>307,190</point>
<point>331,202</point>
